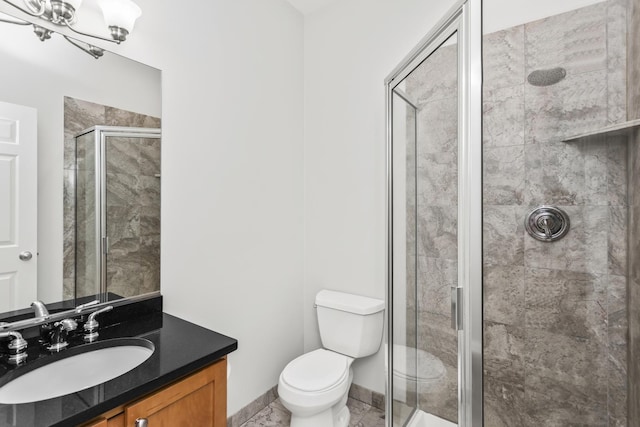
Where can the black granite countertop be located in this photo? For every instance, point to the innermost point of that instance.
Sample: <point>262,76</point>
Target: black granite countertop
<point>180,349</point>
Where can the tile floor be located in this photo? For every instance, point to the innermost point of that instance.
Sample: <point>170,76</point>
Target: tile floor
<point>362,415</point>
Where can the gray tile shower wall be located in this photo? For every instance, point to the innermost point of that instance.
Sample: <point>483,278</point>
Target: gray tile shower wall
<point>555,313</point>
<point>633,111</point>
<point>132,167</point>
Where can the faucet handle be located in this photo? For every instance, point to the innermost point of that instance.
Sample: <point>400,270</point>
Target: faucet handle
<point>67,324</point>
<point>17,348</point>
<point>91,325</point>
<point>85,305</point>
<point>40,309</point>
<point>58,334</point>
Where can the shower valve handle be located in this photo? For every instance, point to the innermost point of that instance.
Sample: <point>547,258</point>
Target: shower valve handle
<point>546,227</point>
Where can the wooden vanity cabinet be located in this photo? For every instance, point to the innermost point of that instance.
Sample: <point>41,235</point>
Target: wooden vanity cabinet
<point>197,400</point>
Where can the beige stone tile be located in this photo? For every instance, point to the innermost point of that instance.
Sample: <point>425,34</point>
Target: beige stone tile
<point>437,127</point>
<point>373,418</point>
<point>503,176</point>
<point>442,400</point>
<point>617,60</point>
<point>503,288</point>
<point>575,105</point>
<point>566,303</point>
<point>503,229</point>
<point>503,58</point>
<point>576,40</point>
<point>360,394</point>
<point>437,181</point>
<point>566,380</point>
<point>503,117</point>
<point>438,232</point>
<point>436,78</point>
<point>504,352</point>
<point>504,404</point>
<point>269,417</point>
<point>435,279</point>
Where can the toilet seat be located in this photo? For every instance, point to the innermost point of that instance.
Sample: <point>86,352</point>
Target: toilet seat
<point>317,371</point>
<point>315,381</point>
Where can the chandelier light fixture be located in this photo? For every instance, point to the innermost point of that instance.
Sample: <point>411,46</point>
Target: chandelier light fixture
<point>119,16</point>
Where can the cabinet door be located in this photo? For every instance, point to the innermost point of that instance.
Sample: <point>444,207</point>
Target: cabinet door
<point>102,422</point>
<point>198,400</point>
<point>117,421</point>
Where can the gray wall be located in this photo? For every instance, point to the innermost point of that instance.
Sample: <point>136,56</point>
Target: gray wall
<point>555,313</point>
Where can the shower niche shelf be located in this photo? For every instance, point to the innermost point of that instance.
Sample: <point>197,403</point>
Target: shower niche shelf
<point>618,129</point>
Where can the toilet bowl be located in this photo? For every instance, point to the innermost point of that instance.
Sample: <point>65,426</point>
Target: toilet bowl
<point>415,370</point>
<point>315,386</point>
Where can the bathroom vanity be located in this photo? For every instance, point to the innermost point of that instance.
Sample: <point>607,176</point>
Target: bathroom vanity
<point>199,400</point>
<point>183,382</point>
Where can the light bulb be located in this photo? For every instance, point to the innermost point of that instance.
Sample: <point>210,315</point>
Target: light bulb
<point>121,14</point>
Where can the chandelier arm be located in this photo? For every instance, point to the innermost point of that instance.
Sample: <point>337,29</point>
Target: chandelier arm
<point>27,11</point>
<point>9,21</point>
<point>82,48</point>
<point>87,34</point>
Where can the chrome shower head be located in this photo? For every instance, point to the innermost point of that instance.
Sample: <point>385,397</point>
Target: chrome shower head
<point>547,77</point>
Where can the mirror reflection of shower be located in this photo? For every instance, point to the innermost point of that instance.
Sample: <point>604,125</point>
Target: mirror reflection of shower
<point>117,211</point>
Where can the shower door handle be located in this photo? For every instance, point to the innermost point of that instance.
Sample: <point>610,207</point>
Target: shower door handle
<point>456,308</point>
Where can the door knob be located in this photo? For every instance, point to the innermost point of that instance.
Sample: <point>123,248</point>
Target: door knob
<point>142,422</point>
<point>25,256</point>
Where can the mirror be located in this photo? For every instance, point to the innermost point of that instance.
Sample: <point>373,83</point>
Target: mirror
<point>98,160</point>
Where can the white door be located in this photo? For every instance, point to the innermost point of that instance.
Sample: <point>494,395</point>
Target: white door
<point>18,206</point>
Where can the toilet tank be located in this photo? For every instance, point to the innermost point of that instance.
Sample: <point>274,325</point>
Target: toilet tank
<point>350,324</point>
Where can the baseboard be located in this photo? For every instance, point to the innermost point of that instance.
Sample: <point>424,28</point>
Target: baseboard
<point>245,414</point>
<point>367,396</point>
<point>356,392</point>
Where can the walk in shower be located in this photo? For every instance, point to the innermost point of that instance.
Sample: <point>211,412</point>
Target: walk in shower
<point>513,280</point>
<point>117,209</point>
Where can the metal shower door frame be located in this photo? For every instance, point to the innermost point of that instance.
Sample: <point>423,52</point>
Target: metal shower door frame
<point>101,133</point>
<point>465,18</point>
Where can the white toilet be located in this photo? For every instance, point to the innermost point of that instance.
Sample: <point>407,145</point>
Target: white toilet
<point>414,370</point>
<point>315,386</point>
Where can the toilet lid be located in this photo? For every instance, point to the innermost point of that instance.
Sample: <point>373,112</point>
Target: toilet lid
<point>408,361</point>
<point>316,371</point>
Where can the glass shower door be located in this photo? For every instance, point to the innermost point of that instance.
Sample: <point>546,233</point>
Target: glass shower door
<point>435,252</point>
<point>425,261</point>
<point>87,225</point>
<point>405,327</point>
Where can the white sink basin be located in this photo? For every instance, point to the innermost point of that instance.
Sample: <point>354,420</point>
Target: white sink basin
<point>74,369</point>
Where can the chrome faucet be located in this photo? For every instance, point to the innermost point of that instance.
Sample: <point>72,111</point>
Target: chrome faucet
<point>81,307</point>
<point>41,312</point>
<point>58,334</point>
<point>91,326</point>
<point>40,309</point>
<point>54,329</point>
<point>17,348</point>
